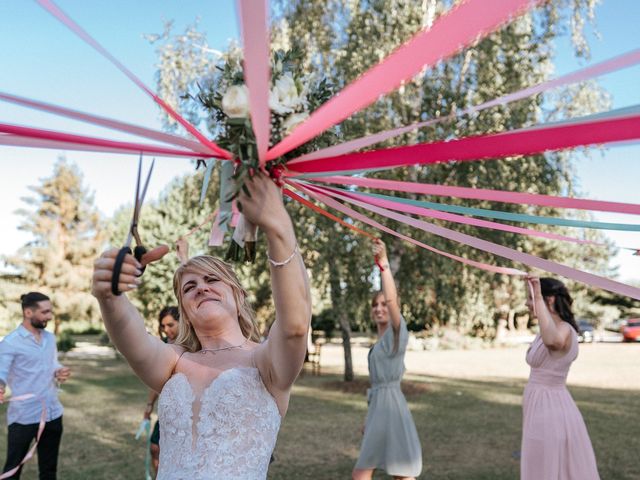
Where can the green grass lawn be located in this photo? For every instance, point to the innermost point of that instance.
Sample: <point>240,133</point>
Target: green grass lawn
<point>469,429</point>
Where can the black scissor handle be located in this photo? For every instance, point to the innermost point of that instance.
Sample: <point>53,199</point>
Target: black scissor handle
<point>138,252</point>
<point>117,269</point>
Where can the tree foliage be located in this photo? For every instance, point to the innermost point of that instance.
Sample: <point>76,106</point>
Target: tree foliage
<point>67,236</point>
<point>340,39</point>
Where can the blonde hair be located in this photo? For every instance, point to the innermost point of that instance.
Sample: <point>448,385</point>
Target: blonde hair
<point>396,335</point>
<point>208,265</point>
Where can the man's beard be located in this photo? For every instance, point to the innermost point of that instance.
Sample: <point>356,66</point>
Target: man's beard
<point>38,324</point>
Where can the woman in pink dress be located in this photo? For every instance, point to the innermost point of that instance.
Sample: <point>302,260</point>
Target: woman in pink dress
<point>555,442</point>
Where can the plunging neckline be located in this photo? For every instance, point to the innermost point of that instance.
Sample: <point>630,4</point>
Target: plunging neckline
<point>212,383</point>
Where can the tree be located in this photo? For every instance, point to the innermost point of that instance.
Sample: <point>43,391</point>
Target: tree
<point>67,237</point>
<point>335,37</point>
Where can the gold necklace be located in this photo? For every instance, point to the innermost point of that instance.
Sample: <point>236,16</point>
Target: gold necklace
<point>216,350</point>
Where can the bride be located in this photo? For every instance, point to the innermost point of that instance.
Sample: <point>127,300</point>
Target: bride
<point>222,394</point>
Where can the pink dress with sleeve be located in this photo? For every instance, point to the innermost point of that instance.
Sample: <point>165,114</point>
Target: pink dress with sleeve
<point>555,442</point>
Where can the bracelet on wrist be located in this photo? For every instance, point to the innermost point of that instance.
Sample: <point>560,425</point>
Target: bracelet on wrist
<point>284,262</point>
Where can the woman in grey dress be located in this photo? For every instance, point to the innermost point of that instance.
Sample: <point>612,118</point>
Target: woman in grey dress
<point>390,440</point>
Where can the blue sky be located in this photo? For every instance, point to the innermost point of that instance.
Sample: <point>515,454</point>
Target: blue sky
<point>41,59</point>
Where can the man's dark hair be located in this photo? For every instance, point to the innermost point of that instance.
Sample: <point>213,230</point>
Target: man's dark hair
<point>31,299</point>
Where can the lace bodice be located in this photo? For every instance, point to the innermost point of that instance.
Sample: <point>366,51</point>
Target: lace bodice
<point>235,431</point>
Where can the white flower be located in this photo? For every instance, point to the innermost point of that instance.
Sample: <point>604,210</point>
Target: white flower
<point>235,102</point>
<point>284,97</point>
<point>293,121</point>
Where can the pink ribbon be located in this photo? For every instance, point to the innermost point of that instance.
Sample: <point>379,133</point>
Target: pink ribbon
<point>611,65</point>
<point>358,216</point>
<point>216,236</point>
<point>479,147</point>
<point>525,258</point>
<point>484,194</point>
<point>51,139</point>
<point>255,38</point>
<point>32,450</point>
<point>452,217</point>
<point>107,122</point>
<point>54,10</point>
<point>464,24</point>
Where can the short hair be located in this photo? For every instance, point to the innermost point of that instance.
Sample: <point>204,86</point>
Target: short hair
<point>168,310</point>
<point>31,299</point>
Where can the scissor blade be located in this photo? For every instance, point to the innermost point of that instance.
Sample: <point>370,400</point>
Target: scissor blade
<point>146,184</point>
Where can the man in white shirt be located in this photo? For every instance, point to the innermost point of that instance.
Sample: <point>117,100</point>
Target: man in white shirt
<point>29,366</point>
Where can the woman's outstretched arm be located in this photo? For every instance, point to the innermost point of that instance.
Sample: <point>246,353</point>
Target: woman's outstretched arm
<point>150,358</point>
<point>555,337</point>
<point>388,284</point>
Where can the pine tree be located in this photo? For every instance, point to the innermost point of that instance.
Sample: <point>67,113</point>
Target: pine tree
<point>66,238</point>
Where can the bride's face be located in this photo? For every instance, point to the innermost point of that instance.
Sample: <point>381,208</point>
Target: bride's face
<point>207,300</point>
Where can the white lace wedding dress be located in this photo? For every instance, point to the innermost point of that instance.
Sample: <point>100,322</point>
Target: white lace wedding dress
<point>232,436</point>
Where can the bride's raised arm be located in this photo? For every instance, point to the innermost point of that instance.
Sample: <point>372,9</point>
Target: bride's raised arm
<point>151,359</point>
<point>282,356</point>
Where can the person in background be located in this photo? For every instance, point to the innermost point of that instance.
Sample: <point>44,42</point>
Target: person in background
<point>29,366</point>
<point>168,322</point>
<point>555,442</point>
<point>390,441</point>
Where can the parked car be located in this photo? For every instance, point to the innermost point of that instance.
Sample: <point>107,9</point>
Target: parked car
<point>585,331</point>
<point>616,325</point>
<point>631,332</point>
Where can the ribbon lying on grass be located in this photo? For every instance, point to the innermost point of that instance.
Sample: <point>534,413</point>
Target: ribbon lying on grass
<point>464,24</point>
<point>607,66</point>
<point>52,139</point>
<point>483,194</point>
<point>108,123</point>
<point>363,218</point>
<point>255,40</point>
<point>489,146</point>
<point>525,258</point>
<point>395,204</point>
<point>54,10</point>
<point>508,216</point>
<point>41,426</point>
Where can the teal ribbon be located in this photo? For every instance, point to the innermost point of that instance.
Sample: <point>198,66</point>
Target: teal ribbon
<point>145,427</point>
<point>510,217</point>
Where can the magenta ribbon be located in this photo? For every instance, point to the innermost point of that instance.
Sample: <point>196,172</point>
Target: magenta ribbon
<point>54,10</point>
<point>484,194</point>
<point>525,258</point>
<point>452,217</point>
<point>465,23</point>
<point>20,136</point>
<point>363,218</point>
<point>107,122</point>
<point>607,66</point>
<point>255,38</point>
<point>482,147</point>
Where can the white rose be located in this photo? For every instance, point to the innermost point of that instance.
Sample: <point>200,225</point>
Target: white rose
<point>293,121</point>
<point>284,96</point>
<point>235,102</point>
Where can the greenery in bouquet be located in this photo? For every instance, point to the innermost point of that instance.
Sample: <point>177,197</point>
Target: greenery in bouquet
<point>292,98</point>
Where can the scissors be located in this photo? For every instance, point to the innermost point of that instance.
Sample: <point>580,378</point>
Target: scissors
<point>139,249</point>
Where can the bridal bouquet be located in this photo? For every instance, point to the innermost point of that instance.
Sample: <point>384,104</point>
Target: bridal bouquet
<point>293,96</point>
